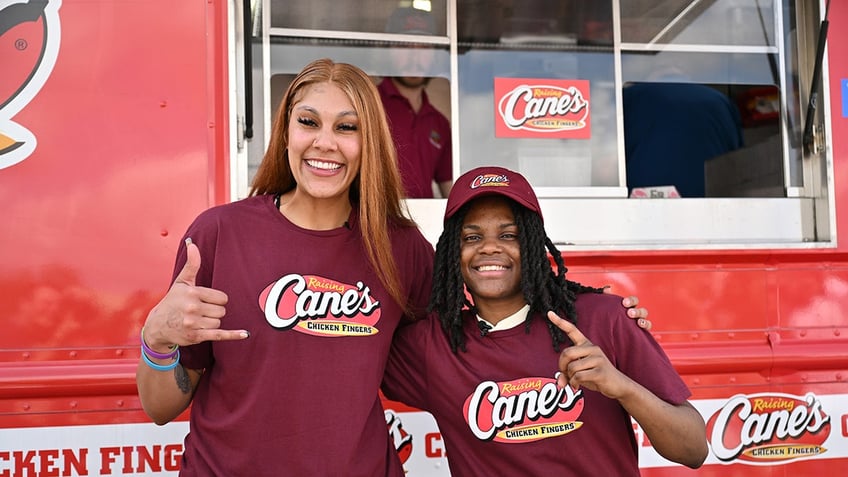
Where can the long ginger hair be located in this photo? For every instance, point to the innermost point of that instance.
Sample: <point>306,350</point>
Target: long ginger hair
<point>376,191</point>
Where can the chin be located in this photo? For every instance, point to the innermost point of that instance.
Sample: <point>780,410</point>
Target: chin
<point>413,81</point>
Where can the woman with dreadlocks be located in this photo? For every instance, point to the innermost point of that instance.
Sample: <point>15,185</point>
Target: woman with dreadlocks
<point>487,368</point>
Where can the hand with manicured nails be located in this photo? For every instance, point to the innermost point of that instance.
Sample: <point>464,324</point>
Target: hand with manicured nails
<point>638,314</point>
<point>188,314</point>
<point>585,364</point>
<point>633,311</point>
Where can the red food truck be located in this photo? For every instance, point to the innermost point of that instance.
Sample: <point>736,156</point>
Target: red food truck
<point>120,121</point>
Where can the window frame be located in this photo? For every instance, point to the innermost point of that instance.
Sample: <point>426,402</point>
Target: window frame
<point>600,218</point>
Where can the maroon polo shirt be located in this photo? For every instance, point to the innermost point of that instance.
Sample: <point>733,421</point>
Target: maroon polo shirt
<point>423,141</point>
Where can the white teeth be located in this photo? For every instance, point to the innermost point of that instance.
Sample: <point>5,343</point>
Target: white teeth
<point>330,166</point>
<point>490,268</point>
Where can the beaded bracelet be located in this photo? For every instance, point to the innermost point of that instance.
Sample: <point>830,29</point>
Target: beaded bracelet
<point>153,354</point>
<point>160,367</point>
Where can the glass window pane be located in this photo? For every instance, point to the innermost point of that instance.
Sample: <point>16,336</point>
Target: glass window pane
<point>555,47</point>
<point>700,67</point>
<point>289,55</point>
<point>591,160</point>
<point>713,22</point>
<point>698,105</point>
<point>522,21</point>
<point>355,16</point>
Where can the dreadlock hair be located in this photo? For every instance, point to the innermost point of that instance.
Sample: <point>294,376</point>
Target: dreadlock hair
<point>543,288</point>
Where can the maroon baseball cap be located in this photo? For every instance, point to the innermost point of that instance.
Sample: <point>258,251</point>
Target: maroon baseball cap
<point>491,180</point>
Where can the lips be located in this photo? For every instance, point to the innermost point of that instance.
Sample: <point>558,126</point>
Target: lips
<point>323,165</point>
<point>491,268</point>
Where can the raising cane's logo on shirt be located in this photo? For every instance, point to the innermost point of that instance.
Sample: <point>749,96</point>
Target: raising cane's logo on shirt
<point>542,108</point>
<point>768,428</point>
<point>523,410</point>
<point>320,306</point>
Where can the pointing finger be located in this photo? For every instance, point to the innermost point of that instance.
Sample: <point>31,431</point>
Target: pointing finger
<point>573,333</point>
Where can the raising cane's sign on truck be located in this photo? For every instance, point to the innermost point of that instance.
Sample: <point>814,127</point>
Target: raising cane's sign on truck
<point>116,130</point>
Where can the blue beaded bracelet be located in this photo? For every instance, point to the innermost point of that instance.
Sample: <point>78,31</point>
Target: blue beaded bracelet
<point>160,367</point>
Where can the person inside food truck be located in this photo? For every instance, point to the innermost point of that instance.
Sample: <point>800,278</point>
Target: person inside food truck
<point>672,127</point>
<point>422,134</point>
<point>535,374</point>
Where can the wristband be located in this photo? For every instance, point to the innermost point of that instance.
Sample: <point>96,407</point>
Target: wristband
<point>153,354</point>
<point>160,367</point>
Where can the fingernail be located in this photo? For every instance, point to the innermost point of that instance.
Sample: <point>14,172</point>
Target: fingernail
<point>188,241</point>
<point>245,334</point>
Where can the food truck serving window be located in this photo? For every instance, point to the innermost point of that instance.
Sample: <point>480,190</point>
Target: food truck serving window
<point>640,123</point>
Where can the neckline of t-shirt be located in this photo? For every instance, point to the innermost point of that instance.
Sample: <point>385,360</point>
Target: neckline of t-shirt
<point>338,231</point>
<point>507,323</point>
<point>474,330</point>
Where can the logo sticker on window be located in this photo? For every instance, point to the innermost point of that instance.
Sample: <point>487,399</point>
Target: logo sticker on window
<point>542,108</point>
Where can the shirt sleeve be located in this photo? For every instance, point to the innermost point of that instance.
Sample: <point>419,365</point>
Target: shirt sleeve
<point>637,354</point>
<point>632,350</point>
<point>417,268</point>
<point>405,378</point>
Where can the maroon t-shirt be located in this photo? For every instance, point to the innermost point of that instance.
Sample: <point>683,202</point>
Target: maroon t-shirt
<point>300,396</point>
<point>423,141</point>
<point>498,407</point>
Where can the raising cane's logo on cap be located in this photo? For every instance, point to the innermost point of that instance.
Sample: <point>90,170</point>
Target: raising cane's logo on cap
<point>542,108</point>
<point>768,429</point>
<point>320,306</point>
<point>523,410</point>
<point>490,180</point>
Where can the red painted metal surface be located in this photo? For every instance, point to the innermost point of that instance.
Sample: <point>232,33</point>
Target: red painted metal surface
<point>132,132</point>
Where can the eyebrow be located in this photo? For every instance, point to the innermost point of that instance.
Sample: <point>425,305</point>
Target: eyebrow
<point>478,227</point>
<point>312,110</point>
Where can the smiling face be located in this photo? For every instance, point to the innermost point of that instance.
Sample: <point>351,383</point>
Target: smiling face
<point>490,258</point>
<point>324,142</point>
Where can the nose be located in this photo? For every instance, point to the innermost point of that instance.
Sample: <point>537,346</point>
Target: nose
<point>490,245</point>
<point>324,140</point>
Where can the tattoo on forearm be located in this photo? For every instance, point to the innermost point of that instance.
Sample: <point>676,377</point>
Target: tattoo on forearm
<point>183,381</point>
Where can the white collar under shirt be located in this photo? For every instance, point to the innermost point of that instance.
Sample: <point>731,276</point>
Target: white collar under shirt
<point>507,323</point>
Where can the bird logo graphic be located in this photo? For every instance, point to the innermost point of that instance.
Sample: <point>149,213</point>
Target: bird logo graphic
<point>29,44</point>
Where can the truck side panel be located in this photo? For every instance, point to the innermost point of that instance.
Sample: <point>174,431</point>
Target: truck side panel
<point>114,135</point>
